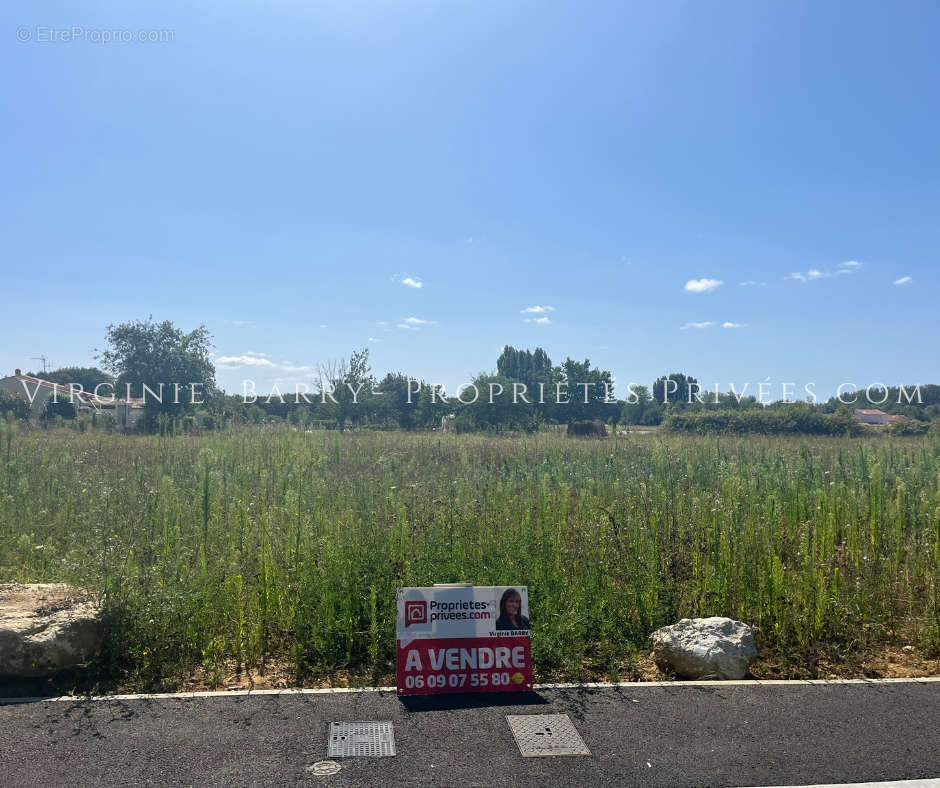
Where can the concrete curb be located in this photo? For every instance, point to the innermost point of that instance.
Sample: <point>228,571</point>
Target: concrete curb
<point>633,685</point>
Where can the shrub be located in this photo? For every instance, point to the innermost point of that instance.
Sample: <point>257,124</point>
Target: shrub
<point>62,409</point>
<point>15,404</point>
<point>909,427</point>
<point>795,420</point>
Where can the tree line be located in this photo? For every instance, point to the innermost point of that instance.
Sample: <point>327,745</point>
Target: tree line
<point>524,392</point>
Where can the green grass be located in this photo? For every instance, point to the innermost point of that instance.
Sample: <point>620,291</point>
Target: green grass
<point>272,544</point>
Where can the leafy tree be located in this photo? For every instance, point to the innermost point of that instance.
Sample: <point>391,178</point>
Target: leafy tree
<point>491,407</point>
<point>526,366</point>
<point>346,389</point>
<point>586,390</point>
<point>144,353</point>
<point>641,408</point>
<point>393,405</point>
<point>535,371</point>
<point>674,397</point>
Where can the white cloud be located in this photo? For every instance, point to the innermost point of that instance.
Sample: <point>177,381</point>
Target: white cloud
<point>848,267</point>
<point>252,359</point>
<point>701,285</point>
<point>406,327</point>
<point>323,325</point>
<point>374,339</point>
<point>729,324</point>
<point>411,282</point>
<point>810,276</point>
<point>752,283</point>
<point>417,321</point>
<point>904,280</point>
<point>541,320</point>
<point>245,360</point>
<point>538,309</point>
<point>701,325</point>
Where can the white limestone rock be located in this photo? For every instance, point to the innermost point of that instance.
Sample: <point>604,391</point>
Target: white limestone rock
<point>45,628</point>
<point>705,648</point>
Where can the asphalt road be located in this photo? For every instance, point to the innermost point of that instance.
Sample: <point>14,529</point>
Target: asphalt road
<point>646,734</point>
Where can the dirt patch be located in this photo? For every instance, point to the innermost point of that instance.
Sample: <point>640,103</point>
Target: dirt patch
<point>890,662</point>
<point>18,600</point>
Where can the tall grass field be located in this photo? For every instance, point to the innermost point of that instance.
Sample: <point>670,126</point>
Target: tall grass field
<point>273,544</point>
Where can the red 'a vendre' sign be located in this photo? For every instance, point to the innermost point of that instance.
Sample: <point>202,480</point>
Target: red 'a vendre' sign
<point>462,638</point>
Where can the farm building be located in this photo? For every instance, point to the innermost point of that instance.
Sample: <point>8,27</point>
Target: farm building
<point>125,412</point>
<point>870,416</point>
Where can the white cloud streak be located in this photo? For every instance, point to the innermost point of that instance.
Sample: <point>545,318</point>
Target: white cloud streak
<point>702,285</point>
<point>245,360</point>
<point>252,359</point>
<point>810,276</point>
<point>848,267</point>
<point>538,310</point>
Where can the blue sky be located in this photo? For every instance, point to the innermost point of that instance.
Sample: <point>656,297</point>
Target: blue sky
<point>278,170</point>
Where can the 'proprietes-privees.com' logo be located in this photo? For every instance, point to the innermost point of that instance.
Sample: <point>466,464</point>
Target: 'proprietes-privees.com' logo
<point>416,612</point>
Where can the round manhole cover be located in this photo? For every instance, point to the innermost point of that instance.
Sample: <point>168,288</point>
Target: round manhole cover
<point>323,768</point>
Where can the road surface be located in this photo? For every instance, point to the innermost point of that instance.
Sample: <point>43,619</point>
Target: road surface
<point>732,734</point>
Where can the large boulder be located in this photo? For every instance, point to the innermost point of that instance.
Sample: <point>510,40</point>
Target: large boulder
<point>45,628</point>
<point>705,648</point>
<point>587,429</point>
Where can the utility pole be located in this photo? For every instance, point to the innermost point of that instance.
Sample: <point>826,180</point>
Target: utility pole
<point>43,360</point>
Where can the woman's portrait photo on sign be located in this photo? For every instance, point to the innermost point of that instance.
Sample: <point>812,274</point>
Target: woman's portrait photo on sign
<point>510,611</point>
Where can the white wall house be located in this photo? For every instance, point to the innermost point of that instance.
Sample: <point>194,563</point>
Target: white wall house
<point>37,392</point>
<point>125,413</point>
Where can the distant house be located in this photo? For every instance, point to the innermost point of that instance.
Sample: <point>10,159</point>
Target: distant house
<point>895,417</point>
<point>870,416</point>
<point>37,392</point>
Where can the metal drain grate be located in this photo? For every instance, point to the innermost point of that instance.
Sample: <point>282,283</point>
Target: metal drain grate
<point>361,739</point>
<point>546,734</point>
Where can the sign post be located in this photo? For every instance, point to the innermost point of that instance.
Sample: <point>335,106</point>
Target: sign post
<point>463,638</point>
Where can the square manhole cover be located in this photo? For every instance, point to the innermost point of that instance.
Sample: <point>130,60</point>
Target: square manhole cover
<point>546,734</point>
<point>361,739</point>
